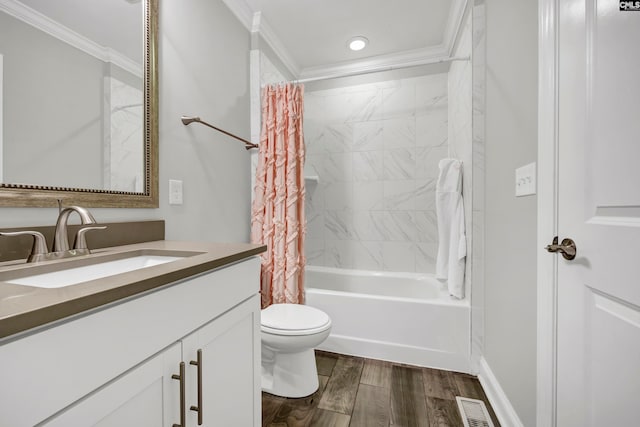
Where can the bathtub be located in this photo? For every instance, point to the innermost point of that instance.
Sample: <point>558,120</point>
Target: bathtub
<point>400,317</point>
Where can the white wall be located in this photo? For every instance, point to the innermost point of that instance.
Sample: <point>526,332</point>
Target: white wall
<point>375,148</point>
<point>511,141</point>
<point>203,70</point>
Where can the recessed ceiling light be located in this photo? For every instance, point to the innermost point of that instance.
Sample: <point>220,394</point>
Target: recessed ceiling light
<point>358,43</point>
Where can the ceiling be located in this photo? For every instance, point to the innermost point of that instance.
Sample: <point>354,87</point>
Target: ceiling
<point>310,36</point>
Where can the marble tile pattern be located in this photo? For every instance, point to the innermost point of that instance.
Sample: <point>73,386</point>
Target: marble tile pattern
<point>460,130</point>
<point>376,149</point>
<point>123,133</point>
<point>478,134</point>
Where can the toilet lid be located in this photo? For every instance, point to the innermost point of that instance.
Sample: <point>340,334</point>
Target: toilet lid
<point>293,317</point>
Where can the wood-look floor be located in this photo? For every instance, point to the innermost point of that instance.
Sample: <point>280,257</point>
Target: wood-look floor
<point>358,392</point>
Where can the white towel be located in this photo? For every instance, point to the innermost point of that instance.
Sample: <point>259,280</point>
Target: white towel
<point>452,243</point>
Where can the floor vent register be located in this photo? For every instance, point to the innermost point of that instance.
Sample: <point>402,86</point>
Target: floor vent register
<point>473,412</point>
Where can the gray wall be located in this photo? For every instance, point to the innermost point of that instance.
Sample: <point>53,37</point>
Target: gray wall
<point>511,141</point>
<point>203,67</point>
<point>258,43</point>
<point>51,109</point>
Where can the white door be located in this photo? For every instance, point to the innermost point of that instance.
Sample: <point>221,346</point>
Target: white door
<point>145,396</point>
<point>598,348</point>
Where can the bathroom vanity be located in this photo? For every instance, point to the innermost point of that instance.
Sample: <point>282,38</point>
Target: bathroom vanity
<point>173,344</point>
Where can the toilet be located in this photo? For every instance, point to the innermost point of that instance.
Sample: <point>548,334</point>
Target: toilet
<point>289,334</point>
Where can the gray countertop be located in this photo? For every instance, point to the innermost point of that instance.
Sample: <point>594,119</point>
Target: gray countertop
<point>26,307</point>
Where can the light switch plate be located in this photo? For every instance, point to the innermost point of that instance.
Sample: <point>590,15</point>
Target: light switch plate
<point>175,192</point>
<point>526,180</point>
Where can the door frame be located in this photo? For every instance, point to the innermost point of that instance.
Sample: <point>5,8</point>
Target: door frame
<point>547,174</point>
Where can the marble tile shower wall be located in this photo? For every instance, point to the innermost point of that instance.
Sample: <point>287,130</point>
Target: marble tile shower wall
<point>375,148</point>
<point>460,131</point>
<point>478,134</point>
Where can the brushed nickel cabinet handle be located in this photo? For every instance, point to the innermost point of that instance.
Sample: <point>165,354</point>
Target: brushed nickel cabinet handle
<point>567,248</point>
<point>198,408</point>
<point>183,414</point>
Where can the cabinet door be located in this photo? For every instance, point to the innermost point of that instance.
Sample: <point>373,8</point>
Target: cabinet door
<point>230,363</point>
<point>145,396</point>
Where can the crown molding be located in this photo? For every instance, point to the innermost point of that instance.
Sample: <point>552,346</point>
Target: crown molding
<point>379,63</point>
<point>266,32</point>
<point>256,23</point>
<point>55,29</point>
<point>245,14</point>
<point>454,24</point>
<point>242,11</point>
<point>400,59</point>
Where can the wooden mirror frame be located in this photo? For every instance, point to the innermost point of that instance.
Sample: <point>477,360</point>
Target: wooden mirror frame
<point>24,195</point>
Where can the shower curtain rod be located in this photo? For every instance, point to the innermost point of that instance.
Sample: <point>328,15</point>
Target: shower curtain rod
<point>188,120</point>
<point>383,68</point>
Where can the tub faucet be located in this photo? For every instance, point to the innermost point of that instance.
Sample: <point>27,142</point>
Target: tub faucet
<point>61,238</point>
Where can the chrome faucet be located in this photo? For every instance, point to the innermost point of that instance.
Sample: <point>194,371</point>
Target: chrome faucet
<point>61,238</point>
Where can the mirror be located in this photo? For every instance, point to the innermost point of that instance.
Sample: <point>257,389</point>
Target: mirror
<point>78,103</point>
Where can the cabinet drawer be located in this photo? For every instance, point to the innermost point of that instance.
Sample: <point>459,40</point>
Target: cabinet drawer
<point>44,372</point>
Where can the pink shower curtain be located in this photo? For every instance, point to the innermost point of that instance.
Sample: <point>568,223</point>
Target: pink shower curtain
<point>277,214</point>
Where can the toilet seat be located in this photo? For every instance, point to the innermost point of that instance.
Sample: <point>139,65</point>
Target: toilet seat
<point>293,319</point>
<point>296,332</point>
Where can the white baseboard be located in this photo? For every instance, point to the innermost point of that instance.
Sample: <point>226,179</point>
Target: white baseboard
<point>498,399</point>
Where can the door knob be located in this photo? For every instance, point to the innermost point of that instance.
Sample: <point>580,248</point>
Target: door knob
<point>567,248</point>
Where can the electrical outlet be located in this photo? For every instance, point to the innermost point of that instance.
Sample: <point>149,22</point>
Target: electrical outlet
<point>526,180</point>
<point>175,192</point>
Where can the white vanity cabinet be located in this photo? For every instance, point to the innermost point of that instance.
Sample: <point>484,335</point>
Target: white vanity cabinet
<point>116,366</point>
<point>145,396</point>
<point>229,376</point>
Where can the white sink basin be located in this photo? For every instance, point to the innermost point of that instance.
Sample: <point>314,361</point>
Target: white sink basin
<point>73,276</point>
